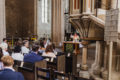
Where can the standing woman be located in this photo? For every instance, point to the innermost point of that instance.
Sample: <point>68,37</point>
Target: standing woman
<point>1,55</point>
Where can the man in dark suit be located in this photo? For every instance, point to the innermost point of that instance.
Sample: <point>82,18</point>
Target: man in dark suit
<point>8,73</point>
<point>33,55</point>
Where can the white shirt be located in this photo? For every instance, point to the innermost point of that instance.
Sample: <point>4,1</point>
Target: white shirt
<point>5,53</point>
<point>25,50</point>
<point>9,68</point>
<point>1,65</point>
<point>50,54</point>
<point>4,45</point>
<point>17,56</point>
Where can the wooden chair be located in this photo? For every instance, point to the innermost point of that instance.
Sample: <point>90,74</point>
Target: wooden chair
<point>27,69</point>
<point>61,63</point>
<point>17,63</point>
<point>61,76</point>
<point>71,64</point>
<point>41,71</point>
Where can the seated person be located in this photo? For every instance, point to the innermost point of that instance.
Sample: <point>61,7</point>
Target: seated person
<point>8,73</point>
<point>33,55</point>
<point>49,52</point>
<point>1,55</point>
<point>4,47</point>
<point>4,43</point>
<point>17,48</point>
<point>54,49</point>
<point>17,52</point>
<point>25,47</point>
<point>5,52</point>
<point>42,49</point>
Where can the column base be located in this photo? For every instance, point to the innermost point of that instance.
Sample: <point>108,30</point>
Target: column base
<point>105,75</point>
<point>84,74</point>
<point>84,67</point>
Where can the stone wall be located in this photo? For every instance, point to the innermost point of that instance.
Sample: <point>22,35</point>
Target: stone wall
<point>20,18</point>
<point>2,20</point>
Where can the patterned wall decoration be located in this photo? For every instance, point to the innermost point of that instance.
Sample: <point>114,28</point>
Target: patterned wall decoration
<point>111,26</point>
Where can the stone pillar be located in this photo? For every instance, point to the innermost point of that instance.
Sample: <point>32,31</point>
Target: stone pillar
<point>84,6</point>
<point>35,18</point>
<point>84,55</point>
<point>92,5</point>
<point>57,21</point>
<point>110,61</point>
<point>105,68</point>
<point>87,6</point>
<point>84,58</point>
<point>2,20</point>
<point>114,4</point>
<point>96,65</point>
<point>106,57</point>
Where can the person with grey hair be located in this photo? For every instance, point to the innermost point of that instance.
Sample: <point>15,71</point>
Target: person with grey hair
<point>25,47</point>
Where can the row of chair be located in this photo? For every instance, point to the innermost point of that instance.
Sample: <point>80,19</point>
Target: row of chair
<point>47,70</point>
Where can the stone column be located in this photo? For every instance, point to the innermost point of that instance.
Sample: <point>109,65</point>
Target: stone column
<point>105,68</point>
<point>110,61</point>
<point>106,56</point>
<point>84,55</point>
<point>57,21</point>
<point>114,4</point>
<point>35,17</point>
<point>96,65</point>
<point>92,5</point>
<point>2,20</point>
<point>86,6</point>
<point>84,58</point>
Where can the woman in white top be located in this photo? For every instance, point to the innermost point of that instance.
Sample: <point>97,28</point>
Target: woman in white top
<point>4,47</point>
<point>25,47</point>
<point>1,55</point>
<point>5,53</point>
<point>4,44</point>
<point>49,52</point>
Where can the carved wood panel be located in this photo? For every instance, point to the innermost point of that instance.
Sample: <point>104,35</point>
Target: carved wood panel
<point>20,18</point>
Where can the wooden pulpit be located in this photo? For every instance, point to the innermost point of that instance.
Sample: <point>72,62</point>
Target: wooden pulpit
<point>71,47</point>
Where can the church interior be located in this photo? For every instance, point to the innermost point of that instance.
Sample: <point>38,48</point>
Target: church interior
<point>59,39</point>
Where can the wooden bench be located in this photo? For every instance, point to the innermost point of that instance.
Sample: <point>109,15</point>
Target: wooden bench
<point>41,71</point>
<point>27,70</point>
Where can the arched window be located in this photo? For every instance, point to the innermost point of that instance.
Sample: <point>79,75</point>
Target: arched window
<point>44,11</point>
